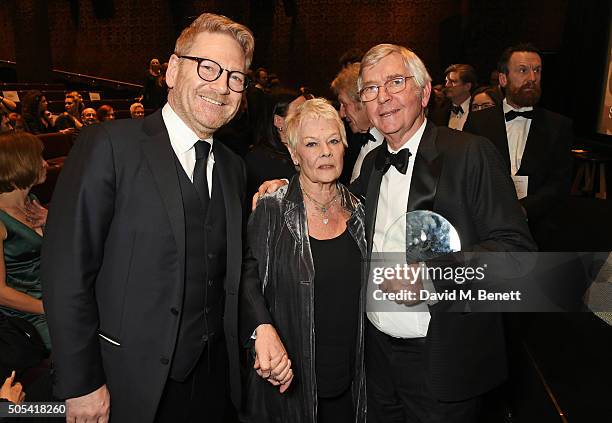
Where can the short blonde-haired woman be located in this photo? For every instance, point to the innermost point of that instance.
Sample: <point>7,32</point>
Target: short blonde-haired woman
<point>302,289</point>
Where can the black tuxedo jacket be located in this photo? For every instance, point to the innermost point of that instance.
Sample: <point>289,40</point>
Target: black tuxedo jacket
<point>547,159</point>
<point>461,177</point>
<point>440,115</point>
<point>113,264</point>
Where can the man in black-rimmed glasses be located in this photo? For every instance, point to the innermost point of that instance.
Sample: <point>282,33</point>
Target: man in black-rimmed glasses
<point>143,248</point>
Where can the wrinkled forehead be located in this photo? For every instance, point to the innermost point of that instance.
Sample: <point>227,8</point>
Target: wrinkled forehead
<point>389,67</point>
<point>525,58</point>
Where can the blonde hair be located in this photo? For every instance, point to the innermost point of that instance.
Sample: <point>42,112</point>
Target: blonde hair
<point>346,81</point>
<point>316,108</point>
<point>211,23</point>
<point>414,65</point>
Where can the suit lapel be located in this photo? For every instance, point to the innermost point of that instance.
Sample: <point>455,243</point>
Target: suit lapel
<point>371,204</point>
<point>501,140</point>
<point>426,172</point>
<point>535,147</point>
<point>158,151</point>
<point>233,211</point>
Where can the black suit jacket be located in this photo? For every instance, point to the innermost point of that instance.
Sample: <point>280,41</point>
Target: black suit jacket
<point>113,264</point>
<point>547,159</point>
<point>461,177</point>
<point>440,115</point>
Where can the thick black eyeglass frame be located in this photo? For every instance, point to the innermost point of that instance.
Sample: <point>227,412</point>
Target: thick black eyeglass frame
<point>199,60</point>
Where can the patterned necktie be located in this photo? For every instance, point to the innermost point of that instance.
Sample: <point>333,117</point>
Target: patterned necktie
<point>200,181</point>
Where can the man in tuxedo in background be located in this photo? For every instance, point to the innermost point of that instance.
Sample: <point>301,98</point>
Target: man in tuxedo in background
<point>460,83</point>
<point>535,143</point>
<point>143,249</point>
<point>353,112</point>
<point>417,361</point>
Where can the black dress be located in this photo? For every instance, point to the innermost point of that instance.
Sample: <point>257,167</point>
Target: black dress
<point>337,287</point>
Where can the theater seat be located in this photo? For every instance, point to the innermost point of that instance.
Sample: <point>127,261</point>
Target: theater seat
<point>56,145</point>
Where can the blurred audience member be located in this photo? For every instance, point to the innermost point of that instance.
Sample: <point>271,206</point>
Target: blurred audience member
<point>89,116</point>
<point>22,221</point>
<point>71,118</point>
<point>483,98</point>
<point>460,81</point>
<point>261,79</point>
<point>363,136</point>
<point>33,108</point>
<point>154,91</point>
<point>269,158</point>
<point>16,121</point>
<point>137,111</point>
<point>105,112</point>
<point>6,108</point>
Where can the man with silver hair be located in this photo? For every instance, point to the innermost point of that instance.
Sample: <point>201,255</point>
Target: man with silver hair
<point>143,248</point>
<point>353,112</point>
<point>428,365</point>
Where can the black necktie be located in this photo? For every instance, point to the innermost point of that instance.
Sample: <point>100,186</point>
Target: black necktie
<point>512,114</point>
<point>458,110</point>
<point>200,181</point>
<point>400,160</point>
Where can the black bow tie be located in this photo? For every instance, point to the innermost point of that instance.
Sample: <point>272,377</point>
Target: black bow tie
<point>365,137</point>
<point>458,110</point>
<point>512,114</point>
<point>400,160</point>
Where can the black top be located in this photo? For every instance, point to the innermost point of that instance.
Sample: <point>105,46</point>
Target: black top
<point>337,264</point>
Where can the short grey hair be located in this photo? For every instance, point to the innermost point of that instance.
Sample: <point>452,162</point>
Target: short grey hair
<point>414,65</point>
<point>316,108</point>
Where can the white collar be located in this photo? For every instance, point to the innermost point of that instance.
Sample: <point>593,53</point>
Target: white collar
<point>181,136</point>
<point>508,107</point>
<point>413,141</point>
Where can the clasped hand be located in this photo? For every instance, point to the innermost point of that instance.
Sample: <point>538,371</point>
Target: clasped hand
<point>271,360</point>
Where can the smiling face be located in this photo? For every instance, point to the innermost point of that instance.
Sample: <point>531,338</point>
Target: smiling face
<point>398,116</point>
<point>205,106</point>
<point>319,151</point>
<point>69,104</point>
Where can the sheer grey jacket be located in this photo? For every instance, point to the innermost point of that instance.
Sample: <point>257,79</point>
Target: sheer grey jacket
<point>278,287</point>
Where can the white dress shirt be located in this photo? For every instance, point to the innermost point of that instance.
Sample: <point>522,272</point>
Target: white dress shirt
<point>517,131</point>
<point>369,146</point>
<point>456,121</point>
<point>401,321</point>
<point>183,140</point>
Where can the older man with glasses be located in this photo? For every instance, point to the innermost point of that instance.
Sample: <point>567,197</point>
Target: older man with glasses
<point>143,248</point>
<point>425,364</point>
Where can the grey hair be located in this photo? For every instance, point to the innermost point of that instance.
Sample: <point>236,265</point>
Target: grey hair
<point>414,65</point>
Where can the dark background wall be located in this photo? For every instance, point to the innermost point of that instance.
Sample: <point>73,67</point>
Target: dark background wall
<point>301,40</point>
